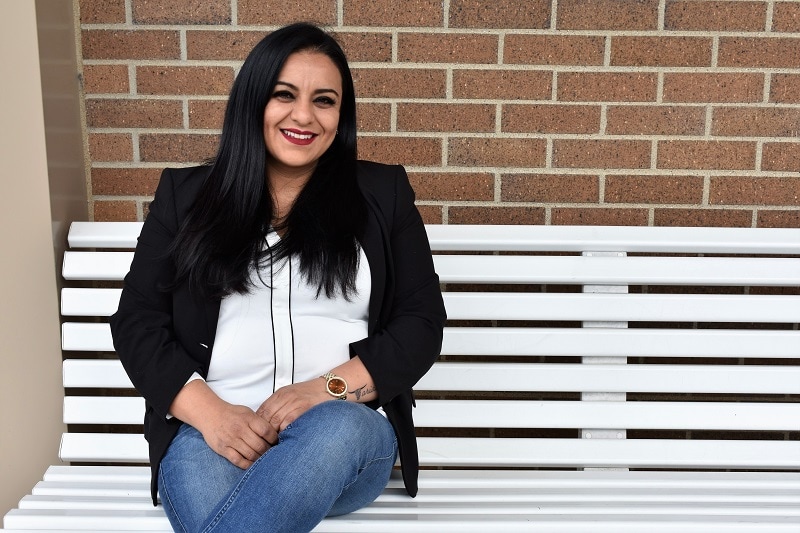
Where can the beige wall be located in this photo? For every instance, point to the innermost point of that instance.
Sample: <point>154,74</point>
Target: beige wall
<point>30,384</point>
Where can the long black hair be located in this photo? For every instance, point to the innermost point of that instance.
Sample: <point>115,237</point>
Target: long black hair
<point>223,235</point>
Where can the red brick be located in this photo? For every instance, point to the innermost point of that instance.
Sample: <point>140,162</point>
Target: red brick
<point>579,153</point>
<point>785,88</point>
<point>715,16</point>
<point>597,216</point>
<point>221,45</point>
<point>178,147</point>
<point>550,118</point>
<point>392,13</point>
<point>184,80</point>
<point>759,52</point>
<point>502,84</point>
<point>130,44</point>
<point>661,51</point>
<point>554,49</point>
<point>102,11</point>
<point>743,190</point>
<point>482,152</point>
<point>496,215</point>
<point>607,86</point>
<point>125,181</point>
<point>374,117</point>
<point>366,46</point>
<point>607,15</point>
<point>530,14</point>
<point>105,79</point>
<point>718,218</point>
<point>410,151</point>
<point>183,12</point>
<point>707,155</point>
<point>550,188</point>
<point>655,120</point>
<point>654,189</point>
<point>756,122</point>
<point>779,218</point>
<point>110,147</point>
<point>206,114</point>
<point>114,211</point>
<point>718,87</point>
<point>273,12</point>
<point>399,83</point>
<point>446,117</point>
<point>447,48</point>
<point>431,214</point>
<point>126,113</point>
<point>453,186</point>
<point>781,156</point>
<point>786,17</point>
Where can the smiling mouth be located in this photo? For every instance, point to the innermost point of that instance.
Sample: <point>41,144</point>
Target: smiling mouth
<point>298,137</point>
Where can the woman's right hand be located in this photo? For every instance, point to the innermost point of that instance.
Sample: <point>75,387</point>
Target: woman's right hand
<point>238,434</point>
<point>233,431</point>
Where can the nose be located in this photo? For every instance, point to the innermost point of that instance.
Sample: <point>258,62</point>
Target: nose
<point>302,112</point>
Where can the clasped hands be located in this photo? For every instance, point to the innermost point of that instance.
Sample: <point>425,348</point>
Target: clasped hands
<point>242,436</point>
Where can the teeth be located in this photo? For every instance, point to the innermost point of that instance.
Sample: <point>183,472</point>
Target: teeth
<point>297,135</point>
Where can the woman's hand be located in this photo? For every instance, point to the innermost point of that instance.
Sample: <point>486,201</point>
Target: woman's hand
<point>238,434</point>
<point>233,431</point>
<point>288,403</point>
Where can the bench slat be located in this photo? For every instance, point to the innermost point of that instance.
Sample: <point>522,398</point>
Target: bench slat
<point>517,452</point>
<point>532,377</point>
<point>89,302</point>
<point>721,482</point>
<point>454,519</point>
<point>101,266</point>
<point>537,306</point>
<point>609,453</point>
<point>614,239</point>
<point>521,414</point>
<point>644,342</point>
<point>536,269</point>
<point>528,238</point>
<point>623,307</point>
<point>705,271</point>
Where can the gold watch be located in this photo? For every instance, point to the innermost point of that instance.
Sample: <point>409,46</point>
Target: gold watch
<point>335,385</point>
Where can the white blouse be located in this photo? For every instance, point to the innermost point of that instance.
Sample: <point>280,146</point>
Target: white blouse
<point>281,333</point>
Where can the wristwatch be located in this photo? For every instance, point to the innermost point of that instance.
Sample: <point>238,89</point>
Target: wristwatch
<point>335,385</point>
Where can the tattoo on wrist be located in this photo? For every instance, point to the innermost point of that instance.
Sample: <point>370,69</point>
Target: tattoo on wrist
<point>362,391</point>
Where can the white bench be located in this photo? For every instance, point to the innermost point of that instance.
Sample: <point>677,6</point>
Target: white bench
<point>592,379</point>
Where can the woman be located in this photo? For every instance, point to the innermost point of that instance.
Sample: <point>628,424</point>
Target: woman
<point>265,287</point>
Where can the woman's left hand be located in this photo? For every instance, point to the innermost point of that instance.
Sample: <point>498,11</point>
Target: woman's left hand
<point>288,403</point>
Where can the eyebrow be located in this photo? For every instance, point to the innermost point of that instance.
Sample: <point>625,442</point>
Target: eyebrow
<point>294,88</point>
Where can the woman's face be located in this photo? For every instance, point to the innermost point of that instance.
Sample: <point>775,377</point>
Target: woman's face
<point>302,114</point>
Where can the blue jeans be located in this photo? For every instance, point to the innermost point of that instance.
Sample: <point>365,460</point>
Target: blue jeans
<point>334,459</point>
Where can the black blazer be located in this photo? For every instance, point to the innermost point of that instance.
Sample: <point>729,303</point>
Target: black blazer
<point>163,337</point>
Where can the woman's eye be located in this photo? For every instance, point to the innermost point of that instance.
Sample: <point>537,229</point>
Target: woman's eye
<point>283,95</point>
<point>326,101</point>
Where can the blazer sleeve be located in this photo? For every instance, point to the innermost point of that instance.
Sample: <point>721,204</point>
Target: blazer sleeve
<point>143,326</point>
<point>408,340</point>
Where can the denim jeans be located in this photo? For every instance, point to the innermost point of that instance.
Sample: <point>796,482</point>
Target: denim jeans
<point>334,459</point>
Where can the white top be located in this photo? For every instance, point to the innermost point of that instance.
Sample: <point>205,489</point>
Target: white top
<point>281,333</point>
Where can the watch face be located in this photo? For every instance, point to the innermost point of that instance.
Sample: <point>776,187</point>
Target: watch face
<point>337,386</point>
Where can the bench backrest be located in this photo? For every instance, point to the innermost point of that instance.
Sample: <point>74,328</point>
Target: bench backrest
<point>566,347</point>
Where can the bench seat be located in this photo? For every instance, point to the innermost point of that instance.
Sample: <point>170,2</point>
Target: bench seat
<point>591,379</point>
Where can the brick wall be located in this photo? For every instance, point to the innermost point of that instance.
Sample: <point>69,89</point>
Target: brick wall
<point>632,112</point>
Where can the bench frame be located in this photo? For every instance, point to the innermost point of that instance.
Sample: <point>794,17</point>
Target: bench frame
<point>578,365</point>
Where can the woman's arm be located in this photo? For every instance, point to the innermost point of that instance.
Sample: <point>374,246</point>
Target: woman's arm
<point>409,338</point>
<point>286,404</point>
